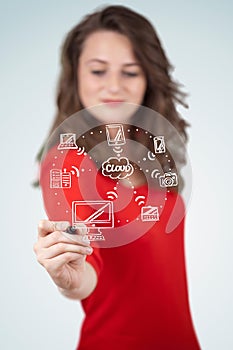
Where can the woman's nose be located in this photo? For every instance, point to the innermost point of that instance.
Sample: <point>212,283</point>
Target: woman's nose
<point>113,83</point>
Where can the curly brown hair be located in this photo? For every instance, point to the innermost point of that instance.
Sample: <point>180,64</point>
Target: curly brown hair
<point>162,93</point>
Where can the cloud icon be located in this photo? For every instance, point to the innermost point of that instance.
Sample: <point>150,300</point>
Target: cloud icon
<point>117,168</point>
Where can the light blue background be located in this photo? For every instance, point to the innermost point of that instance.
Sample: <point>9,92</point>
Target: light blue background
<point>197,37</point>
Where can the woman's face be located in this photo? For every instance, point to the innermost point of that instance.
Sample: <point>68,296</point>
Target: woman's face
<point>108,71</point>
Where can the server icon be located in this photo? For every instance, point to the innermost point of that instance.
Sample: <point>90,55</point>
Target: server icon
<point>60,179</point>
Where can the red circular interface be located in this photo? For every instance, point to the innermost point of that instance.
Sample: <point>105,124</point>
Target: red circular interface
<point>89,169</point>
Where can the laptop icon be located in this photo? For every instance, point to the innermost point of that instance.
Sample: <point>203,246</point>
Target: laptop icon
<point>67,141</point>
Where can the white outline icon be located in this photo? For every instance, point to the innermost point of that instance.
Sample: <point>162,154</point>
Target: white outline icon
<point>159,144</point>
<point>117,168</point>
<point>155,173</point>
<point>75,171</point>
<point>60,179</point>
<point>151,155</point>
<point>67,141</point>
<point>115,135</point>
<point>150,213</point>
<point>140,200</point>
<point>80,151</point>
<point>117,150</point>
<point>168,180</point>
<point>112,195</point>
<point>100,216</point>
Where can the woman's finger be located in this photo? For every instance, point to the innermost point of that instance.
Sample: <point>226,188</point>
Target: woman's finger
<point>55,264</point>
<point>60,248</point>
<point>61,236</point>
<point>45,227</point>
<point>80,229</point>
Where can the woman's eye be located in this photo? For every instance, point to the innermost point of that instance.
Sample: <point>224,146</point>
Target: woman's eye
<point>98,72</point>
<point>131,74</point>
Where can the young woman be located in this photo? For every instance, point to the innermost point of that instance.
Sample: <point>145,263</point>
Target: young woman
<point>134,295</point>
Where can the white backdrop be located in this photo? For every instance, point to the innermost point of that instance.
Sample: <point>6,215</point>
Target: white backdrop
<point>197,37</point>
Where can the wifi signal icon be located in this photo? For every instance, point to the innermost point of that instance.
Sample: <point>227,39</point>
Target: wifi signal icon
<point>80,151</point>
<point>75,171</point>
<point>140,200</point>
<point>155,173</point>
<point>151,155</point>
<point>117,149</point>
<point>112,195</point>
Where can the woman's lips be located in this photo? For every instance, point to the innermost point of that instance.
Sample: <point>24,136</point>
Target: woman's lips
<point>113,103</point>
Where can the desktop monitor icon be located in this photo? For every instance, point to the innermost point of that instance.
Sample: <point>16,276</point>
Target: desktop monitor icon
<point>96,215</point>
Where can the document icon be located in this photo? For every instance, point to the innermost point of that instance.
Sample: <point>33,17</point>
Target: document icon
<point>149,213</point>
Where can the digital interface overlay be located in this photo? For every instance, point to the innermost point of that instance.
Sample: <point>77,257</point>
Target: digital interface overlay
<point>116,174</point>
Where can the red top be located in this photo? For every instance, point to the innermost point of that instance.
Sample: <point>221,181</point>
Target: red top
<point>141,298</point>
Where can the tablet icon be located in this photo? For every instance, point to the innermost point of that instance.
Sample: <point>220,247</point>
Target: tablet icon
<point>115,135</point>
<point>67,141</point>
<point>150,213</point>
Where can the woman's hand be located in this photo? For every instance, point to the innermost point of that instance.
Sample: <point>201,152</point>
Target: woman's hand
<point>63,256</point>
